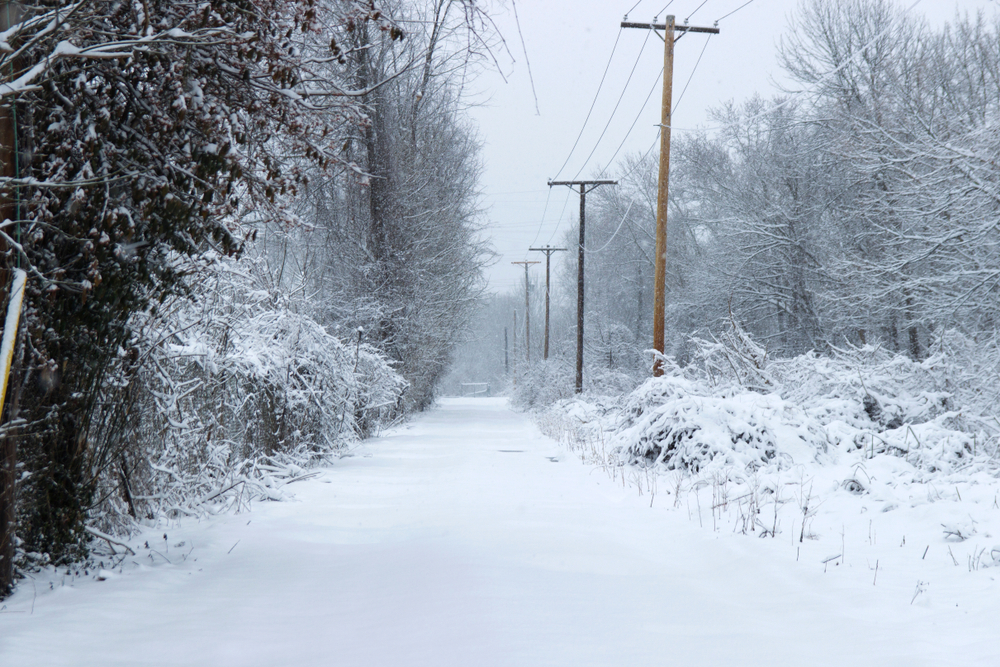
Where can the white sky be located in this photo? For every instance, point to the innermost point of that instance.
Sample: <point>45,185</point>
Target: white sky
<point>569,43</point>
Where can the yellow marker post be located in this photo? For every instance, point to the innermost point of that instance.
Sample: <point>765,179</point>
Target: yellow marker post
<point>10,330</point>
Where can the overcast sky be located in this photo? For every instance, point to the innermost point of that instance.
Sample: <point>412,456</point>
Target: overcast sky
<point>569,44</point>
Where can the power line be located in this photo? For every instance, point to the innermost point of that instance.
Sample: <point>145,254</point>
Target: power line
<point>542,221</point>
<point>688,83</point>
<point>695,10</point>
<point>560,219</point>
<point>638,162</point>
<point>593,103</point>
<point>664,8</point>
<point>793,95</point>
<point>734,11</point>
<point>524,47</point>
<point>633,8</point>
<point>649,96</point>
<point>620,225</point>
<point>617,104</point>
<point>603,132</point>
<point>638,115</point>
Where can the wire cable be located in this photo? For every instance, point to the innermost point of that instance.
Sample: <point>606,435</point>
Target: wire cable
<point>542,222</point>
<point>793,95</point>
<point>664,9</point>
<point>649,96</point>
<point>584,127</point>
<point>690,78</point>
<point>620,225</point>
<point>642,159</point>
<point>524,47</point>
<point>617,104</point>
<point>561,214</point>
<point>734,11</point>
<point>695,11</point>
<point>592,104</point>
<point>638,115</point>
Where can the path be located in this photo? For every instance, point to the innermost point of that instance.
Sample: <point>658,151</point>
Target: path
<point>467,539</point>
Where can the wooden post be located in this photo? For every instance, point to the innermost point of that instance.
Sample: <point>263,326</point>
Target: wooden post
<point>506,357</point>
<point>514,346</point>
<point>662,184</point>
<point>527,314</point>
<point>669,27</point>
<point>548,250</point>
<point>579,280</point>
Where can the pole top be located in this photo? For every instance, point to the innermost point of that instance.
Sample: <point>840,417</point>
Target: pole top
<point>598,182</point>
<point>663,26</point>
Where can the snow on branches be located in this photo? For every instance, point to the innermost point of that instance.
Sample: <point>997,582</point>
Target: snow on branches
<point>143,132</point>
<point>221,393</point>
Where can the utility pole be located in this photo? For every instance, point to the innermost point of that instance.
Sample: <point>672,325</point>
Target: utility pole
<point>669,27</point>
<point>506,357</point>
<point>527,313</point>
<point>514,333</point>
<point>585,187</point>
<point>548,250</point>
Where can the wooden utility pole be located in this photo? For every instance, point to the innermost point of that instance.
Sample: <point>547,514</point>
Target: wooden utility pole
<point>514,333</point>
<point>514,346</point>
<point>669,27</point>
<point>548,250</point>
<point>585,187</point>
<point>527,313</point>
<point>506,357</point>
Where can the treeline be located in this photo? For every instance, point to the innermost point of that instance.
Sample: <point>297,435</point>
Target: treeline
<point>249,229</point>
<point>863,210</point>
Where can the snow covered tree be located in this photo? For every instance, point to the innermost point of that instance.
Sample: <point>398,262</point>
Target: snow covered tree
<point>143,132</point>
<point>402,256</point>
<point>863,209</point>
<point>763,190</point>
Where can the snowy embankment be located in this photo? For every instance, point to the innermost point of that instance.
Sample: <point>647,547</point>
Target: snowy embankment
<point>864,460</point>
<point>468,538</point>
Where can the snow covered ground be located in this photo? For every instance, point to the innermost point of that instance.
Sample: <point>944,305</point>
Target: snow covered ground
<point>468,538</point>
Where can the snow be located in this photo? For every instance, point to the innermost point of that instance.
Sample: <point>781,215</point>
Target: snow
<point>469,538</point>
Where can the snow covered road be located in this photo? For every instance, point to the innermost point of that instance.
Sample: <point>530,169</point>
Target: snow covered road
<point>468,539</point>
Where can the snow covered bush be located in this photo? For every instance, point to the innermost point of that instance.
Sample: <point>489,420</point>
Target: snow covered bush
<point>546,382</point>
<point>735,358</point>
<point>543,384</point>
<point>223,393</point>
<point>684,429</point>
<point>730,409</point>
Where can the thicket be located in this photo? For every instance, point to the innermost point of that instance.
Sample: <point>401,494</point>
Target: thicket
<point>170,168</point>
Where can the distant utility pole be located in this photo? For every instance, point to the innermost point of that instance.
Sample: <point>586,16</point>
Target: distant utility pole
<point>660,271</point>
<point>527,313</point>
<point>548,250</point>
<point>585,187</point>
<point>514,334</point>
<point>506,358</point>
